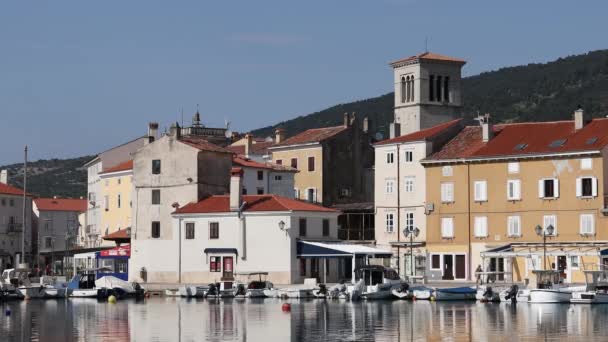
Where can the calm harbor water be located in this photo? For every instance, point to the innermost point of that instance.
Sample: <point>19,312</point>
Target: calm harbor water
<point>176,319</point>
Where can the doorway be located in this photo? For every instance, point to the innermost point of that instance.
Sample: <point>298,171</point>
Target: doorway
<point>448,267</point>
<point>561,265</point>
<point>461,269</point>
<point>228,270</point>
<point>497,265</point>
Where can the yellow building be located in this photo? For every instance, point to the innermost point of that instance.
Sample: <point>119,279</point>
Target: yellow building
<point>116,193</point>
<point>490,187</point>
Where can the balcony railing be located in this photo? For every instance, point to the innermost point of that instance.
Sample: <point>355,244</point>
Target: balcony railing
<point>356,234</point>
<point>14,228</point>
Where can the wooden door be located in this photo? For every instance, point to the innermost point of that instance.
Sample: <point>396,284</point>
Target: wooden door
<point>228,272</point>
<point>448,267</point>
<point>461,267</point>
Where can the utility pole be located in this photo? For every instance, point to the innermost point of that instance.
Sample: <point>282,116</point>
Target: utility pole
<point>24,205</point>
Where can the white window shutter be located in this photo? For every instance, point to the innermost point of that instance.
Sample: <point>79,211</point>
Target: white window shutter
<point>556,187</point>
<point>594,187</point>
<point>579,187</point>
<point>541,188</point>
<point>484,191</point>
<point>518,190</point>
<point>314,195</point>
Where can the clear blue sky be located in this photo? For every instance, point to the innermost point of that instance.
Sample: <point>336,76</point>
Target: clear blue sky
<point>77,77</point>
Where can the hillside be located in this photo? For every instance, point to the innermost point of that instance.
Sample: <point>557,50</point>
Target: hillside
<point>533,92</point>
<point>54,177</point>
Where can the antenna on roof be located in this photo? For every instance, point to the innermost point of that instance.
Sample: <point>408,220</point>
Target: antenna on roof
<point>182,110</point>
<point>426,44</point>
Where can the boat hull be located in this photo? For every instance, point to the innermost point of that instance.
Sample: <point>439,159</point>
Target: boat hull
<point>39,292</point>
<point>451,294</point>
<point>589,297</point>
<point>83,293</point>
<point>522,296</point>
<point>296,293</point>
<point>549,296</point>
<point>192,292</point>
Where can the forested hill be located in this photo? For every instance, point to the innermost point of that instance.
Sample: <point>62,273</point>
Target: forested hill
<point>533,92</point>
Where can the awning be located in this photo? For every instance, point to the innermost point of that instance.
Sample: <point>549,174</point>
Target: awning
<point>221,251</point>
<point>553,249</point>
<point>310,249</point>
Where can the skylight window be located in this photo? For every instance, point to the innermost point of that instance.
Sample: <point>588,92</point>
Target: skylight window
<point>591,141</point>
<point>520,147</point>
<point>557,143</point>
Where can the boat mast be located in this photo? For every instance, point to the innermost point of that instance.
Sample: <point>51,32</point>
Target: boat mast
<point>24,203</point>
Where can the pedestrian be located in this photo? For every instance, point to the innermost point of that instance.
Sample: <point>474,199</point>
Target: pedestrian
<point>478,275</point>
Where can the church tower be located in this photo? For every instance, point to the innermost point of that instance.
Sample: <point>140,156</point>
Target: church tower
<point>427,92</point>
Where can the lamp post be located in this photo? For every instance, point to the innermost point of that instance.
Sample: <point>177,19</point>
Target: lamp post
<point>548,231</point>
<point>411,232</point>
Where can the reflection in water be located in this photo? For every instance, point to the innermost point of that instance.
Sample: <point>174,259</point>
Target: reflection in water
<point>176,319</point>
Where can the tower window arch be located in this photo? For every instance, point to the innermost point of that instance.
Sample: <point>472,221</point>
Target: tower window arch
<point>409,89</point>
<point>412,88</point>
<point>446,89</point>
<point>403,89</point>
<point>432,88</point>
<point>438,88</point>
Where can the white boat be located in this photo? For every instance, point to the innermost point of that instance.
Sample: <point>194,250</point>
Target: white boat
<point>296,293</point>
<point>223,289</point>
<point>110,285</point>
<point>172,293</point>
<point>421,292</point>
<point>375,282</point>
<point>255,288</point>
<point>455,293</point>
<point>549,288</point>
<point>514,294</point>
<point>487,293</point>
<point>338,291</point>
<point>596,289</point>
<point>401,292</point>
<point>192,291</point>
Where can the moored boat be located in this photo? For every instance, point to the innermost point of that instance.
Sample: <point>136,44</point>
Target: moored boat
<point>192,291</point>
<point>596,289</point>
<point>255,288</point>
<point>549,288</point>
<point>375,282</point>
<point>455,293</point>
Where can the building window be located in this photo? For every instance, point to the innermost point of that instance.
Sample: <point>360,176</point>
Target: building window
<point>294,163</point>
<point>390,158</point>
<point>587,225</point>
<point>4,201</point>
<point>278,162</point>
<point>312,194</point>
<point>403,89</point>
<point>278,177</point>
<point>260,191</point>
<point>118,201</point>
<point>438,88</point>
<point>412,88</point>
<point>260,175</point>
<point>432,88</point>
<point>447,227</point>
<point>446,89</point>
<point>548,188</point>
<point>325,227</point>
<point>390,220</point>
<point>214,230</point>
<point>481,226</point>
<point>311,164</point>
<point>446,171</point>
<point>409,221</point>
<point>513,167</point>
<point>514,190</point>
<point>156,196</point>
<point>302,267</point>
<point>48,242</point>
<point>513,226</point>
<point>550,220</point>
<point>302,226</point>
<point>480,190</point>
<point>244,191</point>
<point>106,202</point>
<point>586,187</point>
<point>389,186</point>
<point>447,192</point>
<point>215,264</point>
<point>409,156</point>
<point>409,184</point>
<point>586,164</point>
<point>189,230</point>
<point>408,88</point>
<point>118,180</point>
<point>156,167</point>
<point>296,193</point>
<point>155,229</point>
<point>574,262</point>
<point>435,261</point>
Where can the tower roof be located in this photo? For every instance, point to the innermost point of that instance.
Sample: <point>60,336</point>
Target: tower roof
<point>427,56</point>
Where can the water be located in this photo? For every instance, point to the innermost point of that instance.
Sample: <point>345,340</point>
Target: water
<point>176,319</point>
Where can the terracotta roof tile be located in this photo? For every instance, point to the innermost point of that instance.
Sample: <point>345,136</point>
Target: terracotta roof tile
<point>430,56</point>
<point>61,204</point>
<point>10,190</point>
<point>313,135</point>
<point>122,234</point>
<point>425,134</point>
<point>521,139</point>
<point>255,203</point>
<point>246,162</point>
<point>203,144</point>
<point>128,165</point>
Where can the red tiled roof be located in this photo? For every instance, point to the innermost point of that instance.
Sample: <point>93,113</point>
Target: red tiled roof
<point>61,204</point>
<point>203,144</point>
<point>425,134</point>
<point>221,204</point>
<point>118,235</point>
<point>128,165</point>
<point>429,56</point>
<point>535,138</point>
<point>257,148</point>
<point>246,162</point>
<point>313,135</point>
<point>10,190</point>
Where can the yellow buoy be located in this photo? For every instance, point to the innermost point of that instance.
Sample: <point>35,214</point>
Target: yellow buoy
<point>112,300</point>
<point>432,299</point>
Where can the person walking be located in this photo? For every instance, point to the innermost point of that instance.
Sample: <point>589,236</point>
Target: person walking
<point>478,275</point>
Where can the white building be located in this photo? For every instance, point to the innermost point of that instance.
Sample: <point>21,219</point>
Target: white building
<point>11,223</point>
<point>261,178</point>
<point>220,235</point>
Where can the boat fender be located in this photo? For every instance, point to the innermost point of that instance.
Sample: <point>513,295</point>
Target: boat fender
<point>112,299</point>
<point>432,298</point>
<point>286,307</point>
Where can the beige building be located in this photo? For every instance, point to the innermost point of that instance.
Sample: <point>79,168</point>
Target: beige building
<point>491,186</point>
<point>117,196</point>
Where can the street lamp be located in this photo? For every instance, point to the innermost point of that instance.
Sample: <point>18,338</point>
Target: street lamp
<point>412,232</point>
<point>548,231</point>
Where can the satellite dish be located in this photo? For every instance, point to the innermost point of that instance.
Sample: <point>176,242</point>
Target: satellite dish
<point>379,136</point>
<point>228,134</point>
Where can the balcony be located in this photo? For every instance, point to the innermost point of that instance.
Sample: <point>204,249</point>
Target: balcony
<point>14,228</point>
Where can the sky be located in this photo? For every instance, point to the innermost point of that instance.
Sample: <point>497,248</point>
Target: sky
<point>78,77</point>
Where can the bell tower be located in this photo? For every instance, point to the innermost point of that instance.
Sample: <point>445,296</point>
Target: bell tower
<point>427,91</point>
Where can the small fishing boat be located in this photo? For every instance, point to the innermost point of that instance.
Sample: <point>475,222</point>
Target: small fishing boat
<point>596,289</point>
<point>549,288</point>
<point>514,294</point>
<point>375,282</point>
<point>255,288</point>
<point>455,293</point>
<point>8,282</point>
<point>110,285</point>
<point>192,291</point>
<point>172,293</point>
<point>296,293</point>
<point>222,289</point>
<point>402,292</point>
<point>85,285</point>
<point>338,291</point>
<point>82,285</point>
<point>486,293</point>
<point>421,292</point>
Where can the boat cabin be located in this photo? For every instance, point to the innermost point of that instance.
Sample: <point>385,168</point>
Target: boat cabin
<point>596,280</point>
<point>375,274</point>
<point>547,279</point>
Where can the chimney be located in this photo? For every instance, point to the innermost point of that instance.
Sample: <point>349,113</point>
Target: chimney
<point>236,180</point>
<point>152,131</point>
<point>487,131</point>
<point>395,130</point>
<point>248,144</point>
<point>579,118</point>
<point>4,176</point>
<point>279,135</point>
<point>365,124</point>
<point>175,131</point>
<point>346,120</point>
